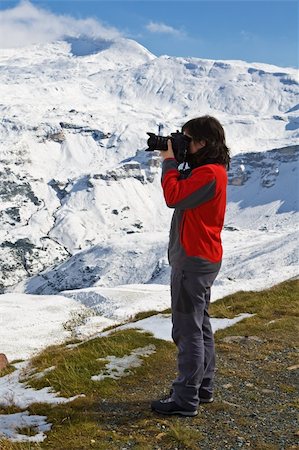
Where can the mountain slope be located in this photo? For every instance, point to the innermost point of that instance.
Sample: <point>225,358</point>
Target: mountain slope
<point>74,176</point>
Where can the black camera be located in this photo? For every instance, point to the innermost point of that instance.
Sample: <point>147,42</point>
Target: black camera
<point>180,144</point>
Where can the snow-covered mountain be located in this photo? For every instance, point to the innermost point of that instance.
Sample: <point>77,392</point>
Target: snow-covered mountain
<point>81,200</point>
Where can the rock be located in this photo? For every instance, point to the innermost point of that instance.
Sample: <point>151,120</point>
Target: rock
<point>293,367</point>
<point>241,339</point>
<point>56,137</point>
<point>255,339</point>
<point>267,391</point>
<point>231,228</point>
<point>231,404</point>
<point>232,339</point>
<point>3,361</point>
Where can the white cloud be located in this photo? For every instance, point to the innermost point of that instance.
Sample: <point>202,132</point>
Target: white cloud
<point>247,35</point>
<point>28,24</point>
<point>159,27</point>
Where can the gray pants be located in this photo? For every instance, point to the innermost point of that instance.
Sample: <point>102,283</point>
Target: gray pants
<point>192,334</point>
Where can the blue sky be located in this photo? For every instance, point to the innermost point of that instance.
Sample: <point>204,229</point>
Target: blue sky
<point>251,30</point>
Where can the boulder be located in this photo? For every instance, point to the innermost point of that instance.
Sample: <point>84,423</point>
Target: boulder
<point>3,361</point>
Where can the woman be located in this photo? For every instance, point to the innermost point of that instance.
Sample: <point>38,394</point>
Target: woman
<point>195,254</point>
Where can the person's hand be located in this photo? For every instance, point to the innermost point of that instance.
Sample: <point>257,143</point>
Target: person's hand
<point>169,153</point>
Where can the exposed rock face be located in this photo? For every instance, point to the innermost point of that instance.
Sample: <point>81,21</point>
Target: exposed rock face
<point>97,135</point>
<point>56,137</point>
<point>24,257</point>
<point>143,167</point>
<point>245,164</point>
<point>3,361</point>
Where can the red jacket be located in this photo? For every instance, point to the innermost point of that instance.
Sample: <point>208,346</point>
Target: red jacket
<point>199,202</point>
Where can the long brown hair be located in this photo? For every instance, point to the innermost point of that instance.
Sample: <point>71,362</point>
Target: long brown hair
<point>209,129</point>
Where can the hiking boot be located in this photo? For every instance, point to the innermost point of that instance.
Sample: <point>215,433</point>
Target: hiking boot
<point>169,407</point>
<point>201,399</point>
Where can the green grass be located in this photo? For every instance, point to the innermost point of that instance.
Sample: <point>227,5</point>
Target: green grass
<point>115,414</point>
<point>75,367</point>
<point>270,303</point>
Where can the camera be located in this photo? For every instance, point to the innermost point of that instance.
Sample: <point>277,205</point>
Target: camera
<point>180,144</point>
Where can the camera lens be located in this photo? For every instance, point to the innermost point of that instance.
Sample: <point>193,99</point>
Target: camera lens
<point>155,142</point>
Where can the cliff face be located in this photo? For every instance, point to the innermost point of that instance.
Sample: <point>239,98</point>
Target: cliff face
<point>267,164</point>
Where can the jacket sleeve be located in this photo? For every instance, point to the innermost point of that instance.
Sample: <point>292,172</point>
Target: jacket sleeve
<point>188,193</point>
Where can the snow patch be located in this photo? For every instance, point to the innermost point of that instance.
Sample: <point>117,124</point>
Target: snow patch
<point>29,323</point>
<point>14,392</point>
<point>160,325</point>
<point>119,367</point>
<point>11,423</point>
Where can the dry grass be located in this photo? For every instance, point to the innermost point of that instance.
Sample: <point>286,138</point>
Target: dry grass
<point>115,414</point>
